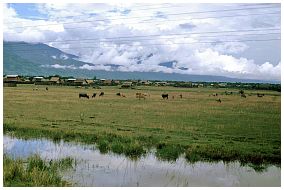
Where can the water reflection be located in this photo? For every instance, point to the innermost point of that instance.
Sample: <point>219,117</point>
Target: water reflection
<point>96,169</point>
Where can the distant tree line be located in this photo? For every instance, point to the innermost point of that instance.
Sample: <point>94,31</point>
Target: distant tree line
<point>183,84</point>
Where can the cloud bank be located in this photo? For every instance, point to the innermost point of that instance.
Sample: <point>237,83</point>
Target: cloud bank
<point>159,33</point>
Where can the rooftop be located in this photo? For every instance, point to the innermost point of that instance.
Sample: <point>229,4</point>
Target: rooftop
<point>11,76</point>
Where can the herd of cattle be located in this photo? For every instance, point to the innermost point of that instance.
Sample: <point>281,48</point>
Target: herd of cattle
<point>140,95</point>
<point>85,95</point>
<point>231,93</point>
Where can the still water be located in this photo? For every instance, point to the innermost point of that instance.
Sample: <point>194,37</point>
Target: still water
<point>95,169</point>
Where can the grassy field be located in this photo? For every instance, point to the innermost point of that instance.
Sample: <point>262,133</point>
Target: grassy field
<point>244,129</point>
<point>34,172</point>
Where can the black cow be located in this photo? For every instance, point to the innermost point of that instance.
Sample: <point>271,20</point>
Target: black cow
<point>46,88</point>
<point>83,95</point>
<point>118,94</point>
<point>165,96</point>
<point>102,93</point>
<point>219,100</point>
<point>94,95</point>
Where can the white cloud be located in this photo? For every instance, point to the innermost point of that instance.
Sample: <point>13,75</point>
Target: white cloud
<point>198,58</point>
<point>230,47</point>
<point>57,66</point>
<point>9,12</point>
<point>95,67</point>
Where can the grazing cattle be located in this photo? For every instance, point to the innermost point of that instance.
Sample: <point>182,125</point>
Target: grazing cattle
<point>243,96</point>
<point>219,100</point>
<point>94,95</point>
<point>140,95</point>
<point>46,88</point>
<point>180,96</point>
<point>35,88</point>
<point>120,94</point>
<point>165,96</point>
<point>260,95</point>
<point>228,93</point>
<point>215,94</point>
<point>146,94</point>
<point>173,97</point>
<point>102,93</point>
<point>83,95</point>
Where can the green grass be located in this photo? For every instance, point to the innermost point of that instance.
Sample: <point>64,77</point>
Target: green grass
<point>243,129</point>
<point>34,172</point>
<point>169,152</point>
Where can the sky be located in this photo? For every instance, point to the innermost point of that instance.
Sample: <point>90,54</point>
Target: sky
<point>231,40</point>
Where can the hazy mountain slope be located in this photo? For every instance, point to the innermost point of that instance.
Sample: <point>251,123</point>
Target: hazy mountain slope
<point>37,59</point>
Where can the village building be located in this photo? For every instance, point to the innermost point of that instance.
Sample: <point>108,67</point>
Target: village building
<point>12,78</point>
<point>89,81</point>
<point>38,79</point>
<point>107,82</point>
<point>71,80</point>
<point>126,84</point>
<point>80,82</point>
<point>54,80</point>
<point>116,82</point>
<point>161,83</point>
<point>145,82</point>
<point>222,85</point>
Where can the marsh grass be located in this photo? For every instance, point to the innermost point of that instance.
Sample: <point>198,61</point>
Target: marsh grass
<point>34,171</point>
<point>169,152</point>
<point>247,130</point>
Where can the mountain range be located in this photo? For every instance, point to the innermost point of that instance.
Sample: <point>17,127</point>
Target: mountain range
<point>37,59</point>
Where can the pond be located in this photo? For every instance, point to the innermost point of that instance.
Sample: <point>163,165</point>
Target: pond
<point>93,168</point>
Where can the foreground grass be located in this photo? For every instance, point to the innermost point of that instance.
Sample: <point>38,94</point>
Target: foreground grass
<point>247,130</point>
<point>34,172</point>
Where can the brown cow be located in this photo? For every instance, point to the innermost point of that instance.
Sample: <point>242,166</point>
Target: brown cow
<point>140,95</point>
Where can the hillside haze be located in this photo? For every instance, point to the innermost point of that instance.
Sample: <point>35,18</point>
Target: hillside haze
<point>40,59</point>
